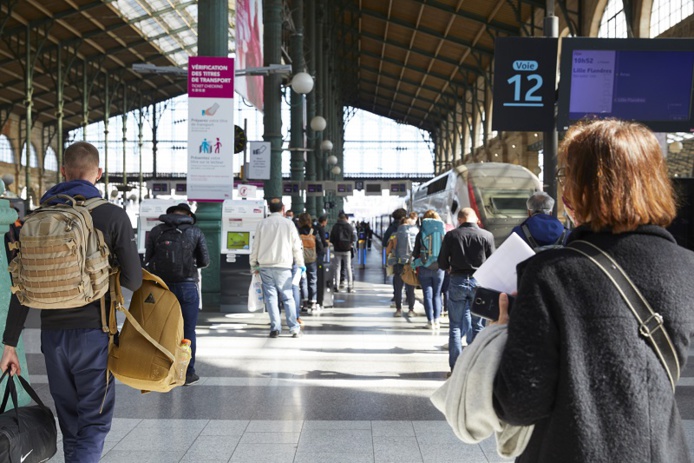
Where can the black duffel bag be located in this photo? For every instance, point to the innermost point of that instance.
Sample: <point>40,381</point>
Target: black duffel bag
<point>27,434</point>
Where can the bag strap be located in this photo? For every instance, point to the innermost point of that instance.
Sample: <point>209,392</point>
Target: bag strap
<point>146,335</point>
<point>529,237</point>
<point>650,322</point>
<point>118,303</point>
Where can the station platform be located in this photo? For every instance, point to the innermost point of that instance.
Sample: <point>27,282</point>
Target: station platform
<point>355,388</point>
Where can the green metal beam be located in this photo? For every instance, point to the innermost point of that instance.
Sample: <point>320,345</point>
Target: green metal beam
<point>56,17</point>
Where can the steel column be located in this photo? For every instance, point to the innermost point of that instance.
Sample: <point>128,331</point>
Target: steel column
<point>296,143</point>
<point>550,138</point>
<point>311,154</point>
<point>272,117</point>
<point>213,40</point>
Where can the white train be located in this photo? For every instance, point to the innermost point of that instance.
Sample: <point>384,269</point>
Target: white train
<point>496,191</point>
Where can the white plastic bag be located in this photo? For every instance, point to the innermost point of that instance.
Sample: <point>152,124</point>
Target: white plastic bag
<point>255,294</point>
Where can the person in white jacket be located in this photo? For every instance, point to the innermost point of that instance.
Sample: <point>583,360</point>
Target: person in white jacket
<point>276,248</point>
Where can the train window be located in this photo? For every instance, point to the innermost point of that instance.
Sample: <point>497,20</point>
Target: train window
<point>438,185</point>
<point>454,207</point>
<point>505,203</point>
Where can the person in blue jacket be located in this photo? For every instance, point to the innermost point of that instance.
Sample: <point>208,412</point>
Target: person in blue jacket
<point>540,228</point>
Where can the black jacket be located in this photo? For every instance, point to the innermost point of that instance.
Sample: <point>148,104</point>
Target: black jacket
<point>465,248</point>
<point>118,234</point>
<point>320,232</point>
<point>576,367</point>
<point>191,233</point>
<point>342,227</point>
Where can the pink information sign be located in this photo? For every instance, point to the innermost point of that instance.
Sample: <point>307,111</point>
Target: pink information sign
<point>210,77</point>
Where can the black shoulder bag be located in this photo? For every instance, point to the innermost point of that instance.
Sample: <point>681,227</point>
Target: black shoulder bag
<point>27,434</point>
<point>650,322</point>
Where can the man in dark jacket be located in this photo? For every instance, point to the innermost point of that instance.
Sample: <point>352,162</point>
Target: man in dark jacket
<point>342,238</point>
<point>74,345</point>
<point>174,251</point>
<point>463,251</point>
<point>540,228</point>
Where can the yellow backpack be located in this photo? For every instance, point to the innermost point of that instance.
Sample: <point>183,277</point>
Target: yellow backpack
<point>143,355</point>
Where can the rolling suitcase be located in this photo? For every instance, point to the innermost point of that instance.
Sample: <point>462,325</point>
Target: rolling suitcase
<point>325,285</point>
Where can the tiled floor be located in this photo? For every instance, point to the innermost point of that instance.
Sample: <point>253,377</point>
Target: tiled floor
<point>354,389</point>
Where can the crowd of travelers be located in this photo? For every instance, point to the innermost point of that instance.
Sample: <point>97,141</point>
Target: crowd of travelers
<point>594,378</point>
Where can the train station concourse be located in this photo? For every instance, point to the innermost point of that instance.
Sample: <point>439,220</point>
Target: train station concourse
<point>452,111</point>
<point>354,388</point>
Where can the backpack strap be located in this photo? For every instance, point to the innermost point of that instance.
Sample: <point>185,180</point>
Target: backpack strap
<point>650,322</point>
<point>560,240</point>
<point>529,237</point>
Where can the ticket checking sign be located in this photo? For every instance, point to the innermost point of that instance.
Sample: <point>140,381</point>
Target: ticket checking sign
<point>239,221</point>
<point>525,74</point>
<point>150,210</point>
<point>259,165</point>
<point>210,128</point>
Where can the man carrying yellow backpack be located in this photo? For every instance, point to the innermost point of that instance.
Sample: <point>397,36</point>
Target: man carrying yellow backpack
<point>48,274</point>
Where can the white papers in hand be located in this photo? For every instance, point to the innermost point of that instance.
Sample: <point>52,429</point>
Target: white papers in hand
<point>499,271</point>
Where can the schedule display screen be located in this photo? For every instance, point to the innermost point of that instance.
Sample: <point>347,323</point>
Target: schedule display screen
<point>628,79</point>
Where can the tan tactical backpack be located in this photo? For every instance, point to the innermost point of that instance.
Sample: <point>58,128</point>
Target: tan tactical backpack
<point>62,261</point>
<point>144,353</point>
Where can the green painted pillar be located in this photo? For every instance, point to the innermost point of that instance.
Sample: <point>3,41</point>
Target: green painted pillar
<point>296,143</point>
<point>7,216</point>
<point>311,104</point>
<point>213,40</point>
<point>272,117</point>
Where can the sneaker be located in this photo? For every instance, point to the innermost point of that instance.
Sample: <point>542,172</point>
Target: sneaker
<point>411,313</point>
<point>191,379</point>
<point>350,290</point>
<point>430,325</point>
<point>398,313</point>
<point>296,334</point>
<point>336,289</point>
<point>393,306</point>
<point>274,333</point>
<point>313,305</point>
<point>437,324</point>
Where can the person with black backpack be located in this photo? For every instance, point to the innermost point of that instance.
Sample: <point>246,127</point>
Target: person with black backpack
<point>174,251</point>
<point>342,238</point>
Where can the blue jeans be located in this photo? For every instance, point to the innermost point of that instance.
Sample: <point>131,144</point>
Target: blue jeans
<point>397,287</point>
<point>309,283</point>
<point>188,296</point>
<point>76,363</point>
<point>461,323</point>
<point>277,283</point>
<point>431,281</point>
<point>444,290</point>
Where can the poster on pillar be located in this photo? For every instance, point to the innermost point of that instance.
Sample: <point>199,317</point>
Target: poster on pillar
<point>210,128</point>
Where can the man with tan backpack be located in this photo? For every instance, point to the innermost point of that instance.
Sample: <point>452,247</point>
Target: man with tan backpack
<point>67,249</point>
